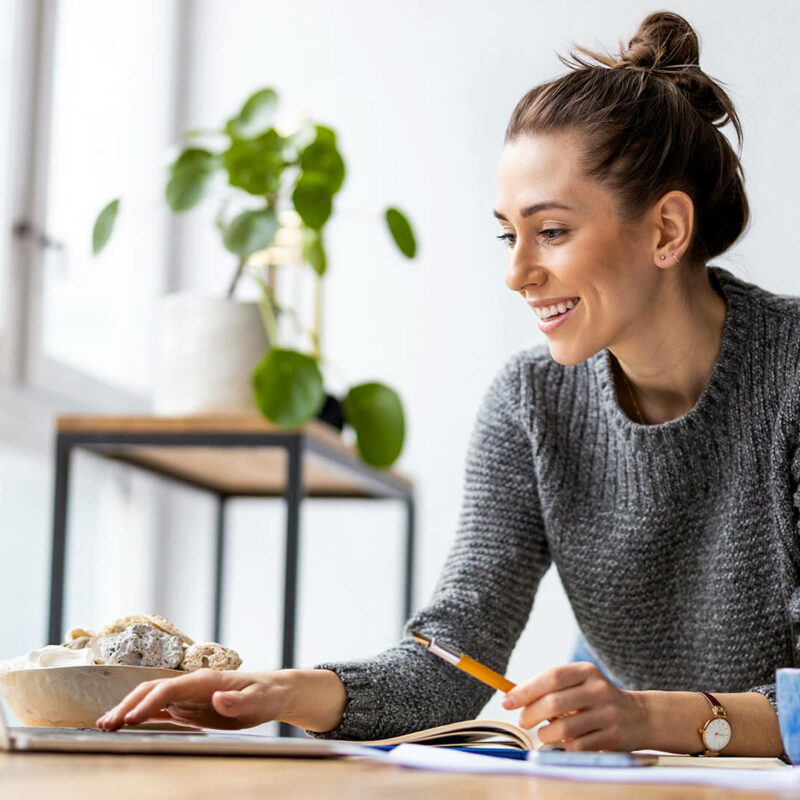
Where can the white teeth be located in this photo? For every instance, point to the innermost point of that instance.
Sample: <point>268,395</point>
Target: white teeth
<point>546,312</point>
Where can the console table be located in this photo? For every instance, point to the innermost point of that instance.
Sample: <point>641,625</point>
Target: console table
<point>229,455</point>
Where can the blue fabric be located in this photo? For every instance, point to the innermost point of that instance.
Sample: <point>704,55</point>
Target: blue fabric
<point>583,652</point>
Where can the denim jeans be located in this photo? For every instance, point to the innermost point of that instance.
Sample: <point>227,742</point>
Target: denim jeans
<point>583,652</point>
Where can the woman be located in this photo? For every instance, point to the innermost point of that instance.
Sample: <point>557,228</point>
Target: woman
<point>651,454</point>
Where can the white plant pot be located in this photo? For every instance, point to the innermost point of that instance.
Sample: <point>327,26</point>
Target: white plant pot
<point>207,350</point>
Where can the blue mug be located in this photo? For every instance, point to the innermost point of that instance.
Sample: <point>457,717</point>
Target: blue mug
<point>788,685</point>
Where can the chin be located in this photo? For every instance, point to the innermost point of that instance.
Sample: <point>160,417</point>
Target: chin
<point>568,354</point>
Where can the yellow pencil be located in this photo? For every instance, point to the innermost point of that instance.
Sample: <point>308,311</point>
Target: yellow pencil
<point>464,662</point>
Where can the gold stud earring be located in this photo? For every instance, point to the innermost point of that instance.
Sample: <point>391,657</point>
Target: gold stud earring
<point>663,256</point>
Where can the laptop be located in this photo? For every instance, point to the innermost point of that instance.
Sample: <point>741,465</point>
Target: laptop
<point>188,743</point>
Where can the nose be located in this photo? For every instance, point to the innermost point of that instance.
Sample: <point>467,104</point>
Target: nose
<point>521,273</point>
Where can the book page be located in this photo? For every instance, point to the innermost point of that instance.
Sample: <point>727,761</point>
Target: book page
<point>447,760</point>
<point>471,731</point>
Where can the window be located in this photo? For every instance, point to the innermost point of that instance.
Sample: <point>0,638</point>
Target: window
<point>109,125</point>
<point>9,40</point>
<point>86,113</point>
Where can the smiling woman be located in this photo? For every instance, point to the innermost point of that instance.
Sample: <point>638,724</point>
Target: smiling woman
<point>629,279</point>
<point>650,450</point>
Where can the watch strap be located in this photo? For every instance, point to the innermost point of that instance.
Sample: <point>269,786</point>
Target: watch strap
<point>718,711</point>
<point>715,704</point>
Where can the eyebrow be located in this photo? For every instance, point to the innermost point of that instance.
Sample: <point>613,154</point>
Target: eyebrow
<point>529,211</point>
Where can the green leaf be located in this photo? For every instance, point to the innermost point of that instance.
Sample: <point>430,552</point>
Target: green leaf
<point>297,142</point>
<point>376,414</point>
<point>219,217</point>
<point>288,388</point>
<point>255,165</point>
<point>198,132</point>
<point>188,181</point>
<point>314,250</point>
<point>195,157</point>
<point>312,199</point>
<point>326,135</point>
<point>322,158</point>
<point>400,229</point>
<point>104,226</point>
<point>257,115</point>
<point>250,232</point>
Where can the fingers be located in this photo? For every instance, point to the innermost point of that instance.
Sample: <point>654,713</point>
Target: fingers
<point>161,716</point>
<point>559,704</point>
<point>554,706</point>
<point>241,704</point>
<point>574,726</point>
<point>149,698</point>
<point>112,719</point>
<point>604,739</point>
<point>584,709</point>
<point>196,687</point>
<point>551,680</point>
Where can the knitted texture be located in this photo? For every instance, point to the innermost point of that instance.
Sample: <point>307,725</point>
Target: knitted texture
<point>676,543</point>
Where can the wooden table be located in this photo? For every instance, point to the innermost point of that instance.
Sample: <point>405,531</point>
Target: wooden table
<point>228,455</point>
<point>64,777</point>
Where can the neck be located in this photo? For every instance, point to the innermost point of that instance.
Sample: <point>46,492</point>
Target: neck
<point>668,356</point>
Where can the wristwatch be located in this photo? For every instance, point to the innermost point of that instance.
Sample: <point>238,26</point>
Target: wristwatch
<point>716,733</point>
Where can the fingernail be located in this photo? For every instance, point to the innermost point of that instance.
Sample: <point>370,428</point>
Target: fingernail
<point>508,702</point>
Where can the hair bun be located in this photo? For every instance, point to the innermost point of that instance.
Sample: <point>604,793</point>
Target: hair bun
<point>667,44</point>
<point>663,41</point>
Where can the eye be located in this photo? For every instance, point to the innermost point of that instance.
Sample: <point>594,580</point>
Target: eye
<point>548,235</point>
<point>551,234</point>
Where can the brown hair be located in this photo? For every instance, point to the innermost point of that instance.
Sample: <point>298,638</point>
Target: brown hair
<point>650,123</point>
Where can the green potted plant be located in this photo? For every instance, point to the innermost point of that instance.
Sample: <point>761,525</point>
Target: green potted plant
<point>279,192</point>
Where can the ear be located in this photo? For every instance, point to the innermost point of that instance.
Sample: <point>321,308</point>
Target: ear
<point>673,216</point>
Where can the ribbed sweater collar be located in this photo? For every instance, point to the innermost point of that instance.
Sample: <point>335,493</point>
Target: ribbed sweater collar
<point>721,383</point>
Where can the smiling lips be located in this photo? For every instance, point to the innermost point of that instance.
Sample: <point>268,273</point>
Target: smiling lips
<point>547,311</point>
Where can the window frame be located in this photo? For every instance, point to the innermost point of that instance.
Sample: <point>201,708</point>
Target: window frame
<point>33,386</point>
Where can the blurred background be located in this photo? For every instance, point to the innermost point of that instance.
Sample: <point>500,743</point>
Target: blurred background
<point>94,95</point>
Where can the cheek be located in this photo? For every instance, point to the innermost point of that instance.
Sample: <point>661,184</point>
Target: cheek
<point>604,279</point>
<point>583,261</point>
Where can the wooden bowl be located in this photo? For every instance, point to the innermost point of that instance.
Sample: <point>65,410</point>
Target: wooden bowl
<point>72,697</point>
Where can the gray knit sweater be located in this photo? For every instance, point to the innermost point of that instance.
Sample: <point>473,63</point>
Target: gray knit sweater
<point>676,543</point>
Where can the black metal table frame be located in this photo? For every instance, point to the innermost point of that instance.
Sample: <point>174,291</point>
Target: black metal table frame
<point>376,484</point>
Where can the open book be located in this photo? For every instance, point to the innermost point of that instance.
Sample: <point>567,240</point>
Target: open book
<point>488,733</point>
<point>478,732</point>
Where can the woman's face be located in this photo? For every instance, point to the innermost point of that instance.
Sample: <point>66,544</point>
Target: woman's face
<point>569,253</point>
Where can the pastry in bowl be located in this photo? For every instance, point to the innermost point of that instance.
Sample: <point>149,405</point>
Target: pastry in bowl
<point>72,684</point>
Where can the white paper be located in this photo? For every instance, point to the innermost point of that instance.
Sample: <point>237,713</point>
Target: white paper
<point>445,760</point>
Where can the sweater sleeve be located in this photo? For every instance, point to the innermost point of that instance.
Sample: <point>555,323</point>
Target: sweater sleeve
<point>484,594</point>
<point>785,487</point>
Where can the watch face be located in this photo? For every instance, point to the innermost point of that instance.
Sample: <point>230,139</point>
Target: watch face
<point>717,734</point>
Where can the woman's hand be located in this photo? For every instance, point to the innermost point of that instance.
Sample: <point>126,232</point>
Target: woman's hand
<point>585,710</point>
<point>206,698</point>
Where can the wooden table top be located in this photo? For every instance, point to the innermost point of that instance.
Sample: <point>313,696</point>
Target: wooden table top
<point>67,776</point>
<point>243,471</point>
